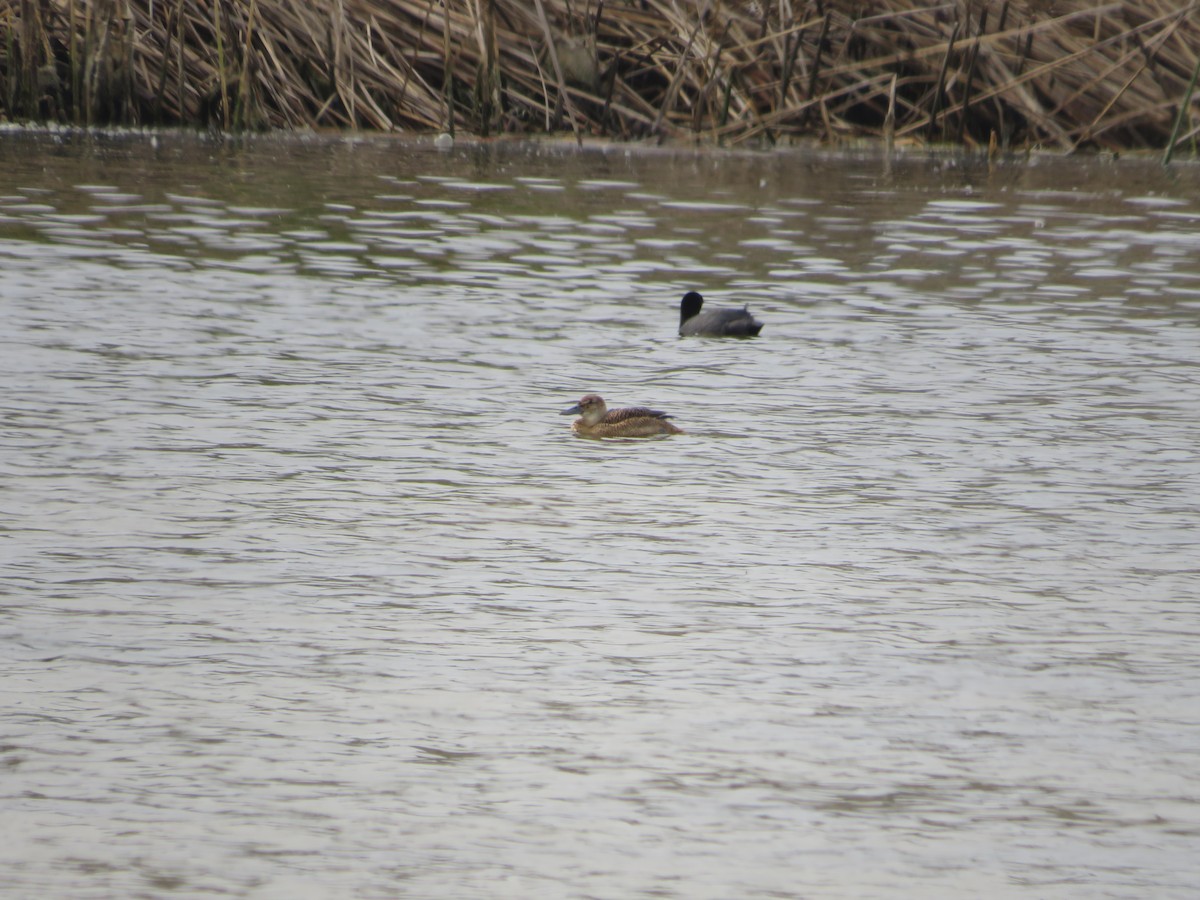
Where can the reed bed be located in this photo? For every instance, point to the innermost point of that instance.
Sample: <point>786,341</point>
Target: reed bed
<point>1059,73</point>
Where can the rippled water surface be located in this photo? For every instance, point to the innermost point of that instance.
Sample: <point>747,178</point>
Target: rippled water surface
<point>310,592</point>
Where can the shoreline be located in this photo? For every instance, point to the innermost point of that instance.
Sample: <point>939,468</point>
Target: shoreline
<point>566,144</point>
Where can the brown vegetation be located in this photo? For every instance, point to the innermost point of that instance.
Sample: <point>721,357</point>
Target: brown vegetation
<point>1058,73</point>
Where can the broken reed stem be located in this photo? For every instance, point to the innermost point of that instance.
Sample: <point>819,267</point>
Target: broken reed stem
<point>816,66</point>
<point>179,74</point>
<point>129,111</point>
<point>162,69</point>
<point>724,118</point>
<point>447,68</point>
<point>1179,117</point>
<point>73,58</point>
<point>218,31</point>
<point>562,83</point>
<point>9,44</point>
<point>26,44</point>
<point>487,91</point>
<point>789,64</point>
<point>243,98</point>
<point>889,120</point>
<point>939,87</point>
<point>966,102</point>
<point>1025,51</point>
<point>85,64</point>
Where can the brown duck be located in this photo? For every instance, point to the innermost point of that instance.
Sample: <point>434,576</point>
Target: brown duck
<point>596,420</point>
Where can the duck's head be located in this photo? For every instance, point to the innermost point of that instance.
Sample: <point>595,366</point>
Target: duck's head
<point>590,407</point>
<point>690,306</point>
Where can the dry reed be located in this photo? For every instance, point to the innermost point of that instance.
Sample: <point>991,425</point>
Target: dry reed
<point>1059,73</point>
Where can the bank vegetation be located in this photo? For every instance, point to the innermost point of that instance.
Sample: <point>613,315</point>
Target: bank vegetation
<point>1063,74</point>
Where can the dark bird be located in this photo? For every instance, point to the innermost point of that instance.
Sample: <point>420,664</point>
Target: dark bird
<point>715,322</point>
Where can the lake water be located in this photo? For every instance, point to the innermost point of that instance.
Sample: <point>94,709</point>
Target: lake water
<point>310,592</point>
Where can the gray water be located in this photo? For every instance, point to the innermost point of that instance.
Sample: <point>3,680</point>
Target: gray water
<point>310,592</point>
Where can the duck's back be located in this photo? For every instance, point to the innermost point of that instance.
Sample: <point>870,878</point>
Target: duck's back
<point>722,323</point>
<point>614,416</point>
<point>632,421</point>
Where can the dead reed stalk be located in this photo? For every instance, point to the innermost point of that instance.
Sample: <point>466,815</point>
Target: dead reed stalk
<point>1067,73</point>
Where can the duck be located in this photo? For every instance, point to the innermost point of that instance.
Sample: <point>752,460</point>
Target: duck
<point>596,420</point>
<point>715,322</point>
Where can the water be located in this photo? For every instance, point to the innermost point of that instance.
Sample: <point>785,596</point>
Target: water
<point>310,592</point>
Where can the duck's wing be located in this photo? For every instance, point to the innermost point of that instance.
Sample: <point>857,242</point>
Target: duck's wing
<point>613,416</point>
<point>729,322</point>
<point>740,322</point>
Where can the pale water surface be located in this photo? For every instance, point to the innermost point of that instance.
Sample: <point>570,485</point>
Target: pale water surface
<point>309,592</point>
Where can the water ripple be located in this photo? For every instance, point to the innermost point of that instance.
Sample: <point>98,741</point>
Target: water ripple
<point>303,566</point>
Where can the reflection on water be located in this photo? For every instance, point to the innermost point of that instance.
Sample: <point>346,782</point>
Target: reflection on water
<point>310,591</point>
